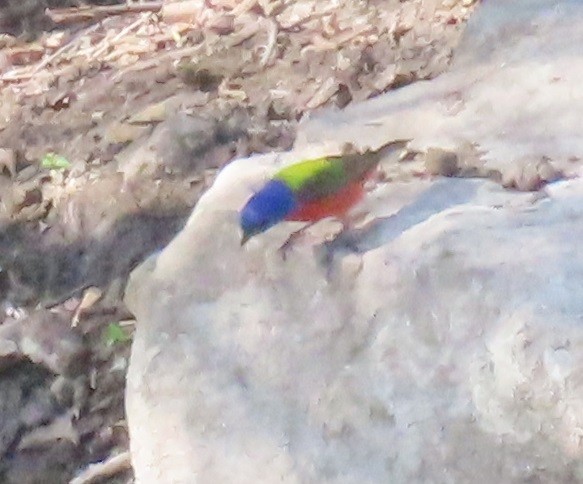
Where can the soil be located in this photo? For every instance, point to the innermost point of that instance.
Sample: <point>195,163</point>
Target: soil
<point>110,131</point>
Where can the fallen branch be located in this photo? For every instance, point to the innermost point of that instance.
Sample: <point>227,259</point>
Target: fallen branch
<point>99,12</point>
<point>47,60</point>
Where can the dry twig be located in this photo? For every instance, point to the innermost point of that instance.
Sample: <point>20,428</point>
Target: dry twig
<point>99,12</point>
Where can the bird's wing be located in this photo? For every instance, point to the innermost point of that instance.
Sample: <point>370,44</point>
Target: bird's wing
<point>314,179</point>
<point>320,178</point>
<point>359,164</point>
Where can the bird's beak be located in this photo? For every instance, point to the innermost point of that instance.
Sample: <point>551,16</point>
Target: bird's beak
<point>245,238</point>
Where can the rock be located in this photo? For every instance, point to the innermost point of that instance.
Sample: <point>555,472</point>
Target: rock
<point>10,405</point>
<point>441,342</point>
<point>8,160</point>
<point>60,429</point>
<point>153,113</point>
<point>26,17</point>
<point>527,174</point>
<point>40,408</point>
<point>125,132</point>
<point>46,338</point>
<point>447,327</point>
<point>125,227</point>
<point>441,162</point>
<point>508,93</point>
<point>26,401</point>
<point>46,465</point>
<point>182,144</point>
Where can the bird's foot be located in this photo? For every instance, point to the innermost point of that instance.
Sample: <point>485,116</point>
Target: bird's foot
<point>292,239</point>
<point>288,244</point>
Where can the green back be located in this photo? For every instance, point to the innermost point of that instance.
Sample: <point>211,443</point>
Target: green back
<point>323,177</point>
<point>314,179</point>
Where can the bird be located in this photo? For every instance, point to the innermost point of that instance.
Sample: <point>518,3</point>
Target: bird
<point>312,190</point>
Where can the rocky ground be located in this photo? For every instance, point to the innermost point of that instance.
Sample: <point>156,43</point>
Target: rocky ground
<point>110,130</point>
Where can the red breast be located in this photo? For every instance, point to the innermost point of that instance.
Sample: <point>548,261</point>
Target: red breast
<point>336,205</point>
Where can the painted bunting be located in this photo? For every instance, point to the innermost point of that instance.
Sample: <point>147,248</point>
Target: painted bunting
<point>312,190</point>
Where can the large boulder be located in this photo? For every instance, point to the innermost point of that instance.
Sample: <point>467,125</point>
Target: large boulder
<point>441,342</point>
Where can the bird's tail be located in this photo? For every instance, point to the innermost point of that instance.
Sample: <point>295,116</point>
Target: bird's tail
<point>360,163</point>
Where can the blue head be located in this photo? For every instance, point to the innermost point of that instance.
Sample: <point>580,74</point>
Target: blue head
<point>266,208</point>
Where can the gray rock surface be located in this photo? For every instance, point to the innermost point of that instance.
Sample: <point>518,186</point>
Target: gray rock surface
<point>45,338</point>
<point>442,343</point>
<point>508,103</point>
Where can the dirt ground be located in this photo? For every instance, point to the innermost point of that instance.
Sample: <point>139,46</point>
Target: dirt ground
<point>110,130</point>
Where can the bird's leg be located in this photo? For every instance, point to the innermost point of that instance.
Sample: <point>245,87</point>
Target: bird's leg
<point>348,222</point>
<point>349,235</point>
<point>287,245</point>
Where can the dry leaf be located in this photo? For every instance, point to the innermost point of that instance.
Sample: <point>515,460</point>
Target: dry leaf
<point>90,296</point>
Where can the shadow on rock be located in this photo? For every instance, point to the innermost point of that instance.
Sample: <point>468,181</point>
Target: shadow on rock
<point>442,195</point>
<point>36,271</point>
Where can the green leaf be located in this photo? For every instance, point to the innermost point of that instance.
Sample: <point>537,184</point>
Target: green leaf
<point>52,161</point>
<point>115,334</point>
